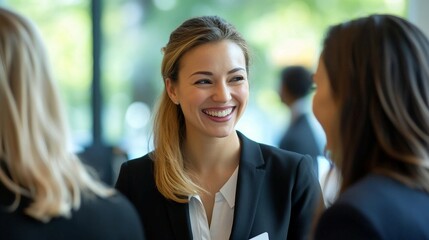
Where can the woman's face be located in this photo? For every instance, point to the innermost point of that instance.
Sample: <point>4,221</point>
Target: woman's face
<point>324,106</point>
<point>212,88</point>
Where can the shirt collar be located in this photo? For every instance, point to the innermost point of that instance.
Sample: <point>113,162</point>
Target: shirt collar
<point>228,190</point>
<point>301,106</point>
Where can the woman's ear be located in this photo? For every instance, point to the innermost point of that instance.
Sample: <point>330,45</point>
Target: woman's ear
<point>170,86</point>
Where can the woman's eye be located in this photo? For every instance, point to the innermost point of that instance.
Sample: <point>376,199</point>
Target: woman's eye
<point>237,78</point>
<point>203,81</point>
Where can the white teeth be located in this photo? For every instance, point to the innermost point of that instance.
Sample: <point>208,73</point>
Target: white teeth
<point>222,113</point>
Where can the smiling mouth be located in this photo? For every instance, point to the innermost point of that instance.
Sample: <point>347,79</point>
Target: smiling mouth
<point>219,113</point>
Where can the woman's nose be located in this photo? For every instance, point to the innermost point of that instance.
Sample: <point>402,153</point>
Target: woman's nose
<point>222,93</point>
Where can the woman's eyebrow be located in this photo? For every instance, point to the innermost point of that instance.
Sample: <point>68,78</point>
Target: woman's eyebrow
<point>211,74</point>
<point>236,70</point>
<point>202,73</point>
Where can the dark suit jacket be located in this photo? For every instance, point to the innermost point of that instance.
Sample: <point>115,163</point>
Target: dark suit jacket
<point>276,193</point>
<point>377,207</point>
<point>112,218</point>
<point>300,138</point>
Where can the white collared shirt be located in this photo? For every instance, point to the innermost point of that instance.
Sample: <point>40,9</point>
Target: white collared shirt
<point>223,213</point>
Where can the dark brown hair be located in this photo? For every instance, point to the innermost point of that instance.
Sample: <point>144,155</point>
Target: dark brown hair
<point>378,68</point>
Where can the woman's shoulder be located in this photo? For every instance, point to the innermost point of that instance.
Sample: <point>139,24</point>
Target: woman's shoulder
<point>375,191</point>
<point>116,205</point>
<point>349,214</point>
<point>274,159</point>
<point>281,154</point>
<point>136,173</point>
<point>115,210</point>
<point>374,188</point>
<point>380,203</point>
<point>96,218</point>
<point>145,160</point>
<point>269,151</point>
<point>283,158</point>
<point>143,164</point>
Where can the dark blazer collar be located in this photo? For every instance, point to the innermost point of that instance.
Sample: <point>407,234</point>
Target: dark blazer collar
<point>250,175</point>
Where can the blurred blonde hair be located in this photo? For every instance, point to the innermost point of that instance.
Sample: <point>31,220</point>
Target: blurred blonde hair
<point>35,156</point>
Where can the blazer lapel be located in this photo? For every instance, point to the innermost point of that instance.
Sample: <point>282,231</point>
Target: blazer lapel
<point>250,176</point>
<point>179,219</point>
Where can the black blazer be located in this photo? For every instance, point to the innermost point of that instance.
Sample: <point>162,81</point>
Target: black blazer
<point>300,138</point>
<point>277,193</point>
<point>377,207</point>
<point>112,218</point>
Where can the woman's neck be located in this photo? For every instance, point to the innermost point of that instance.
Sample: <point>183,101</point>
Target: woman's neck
<point>203,154</point>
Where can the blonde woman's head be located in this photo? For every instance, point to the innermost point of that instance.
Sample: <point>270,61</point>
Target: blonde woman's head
<point>35,156</point>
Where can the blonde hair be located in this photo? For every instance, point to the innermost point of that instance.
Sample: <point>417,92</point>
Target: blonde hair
<point>171,177</point>
<point>35,159</point>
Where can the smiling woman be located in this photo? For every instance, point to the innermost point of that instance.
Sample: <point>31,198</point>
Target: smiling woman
<point>213,90</point>
<point>205,180</point>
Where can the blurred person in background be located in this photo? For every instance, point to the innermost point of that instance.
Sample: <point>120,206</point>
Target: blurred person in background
<point>372,100</point>
<point>45,190</point>
<point>205,180</point>
<point>304,134</point>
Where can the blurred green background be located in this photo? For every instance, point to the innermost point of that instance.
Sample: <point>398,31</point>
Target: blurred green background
<point>279,32</point>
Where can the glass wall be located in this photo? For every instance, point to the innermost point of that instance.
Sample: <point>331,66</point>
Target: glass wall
<point>280,33</point>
